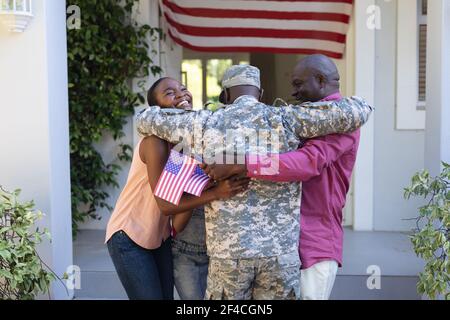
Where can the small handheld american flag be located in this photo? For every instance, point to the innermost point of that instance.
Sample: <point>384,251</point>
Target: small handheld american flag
<point>197,182</point>
<point>181,174</point>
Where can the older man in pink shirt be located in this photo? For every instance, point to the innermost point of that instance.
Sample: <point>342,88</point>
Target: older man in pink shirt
<point>325,166</point>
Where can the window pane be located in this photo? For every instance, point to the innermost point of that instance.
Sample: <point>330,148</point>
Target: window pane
<point>424,7</point>
<point>20,5</point>
<point>422,62</point>
<point>193,78</point>
<point>8,5</point>
<point>215,70</point>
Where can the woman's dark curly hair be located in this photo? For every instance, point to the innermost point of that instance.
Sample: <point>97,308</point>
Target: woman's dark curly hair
<point>151,99</point>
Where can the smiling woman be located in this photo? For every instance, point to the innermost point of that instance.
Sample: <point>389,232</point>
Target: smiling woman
<point>169,93</point>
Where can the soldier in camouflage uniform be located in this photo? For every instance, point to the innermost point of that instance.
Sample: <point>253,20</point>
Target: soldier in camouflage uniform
<point>252,239</point>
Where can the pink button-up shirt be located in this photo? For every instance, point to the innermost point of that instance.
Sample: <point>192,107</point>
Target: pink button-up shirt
<point>325,166</point>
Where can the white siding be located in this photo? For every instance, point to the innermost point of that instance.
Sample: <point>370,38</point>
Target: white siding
<point>398,154</point>
<point>34,127</point>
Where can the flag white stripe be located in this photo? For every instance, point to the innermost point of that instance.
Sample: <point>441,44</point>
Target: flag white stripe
<point>211,42</point>
<point>168,181</point>
<point>183,176</point>
<point>160,187</point>
<point>201,185</point>
<point>189,168</point>
<point>174,189</point>
<point>191,183</point>
<point>314,25</point>
<point>292,6</point>
<point>168,184</point>
<point>195,184</point>
<point>175,186</point>
<point>166,189</point>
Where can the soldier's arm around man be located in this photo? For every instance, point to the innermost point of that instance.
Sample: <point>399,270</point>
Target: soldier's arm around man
<point>310,120</point>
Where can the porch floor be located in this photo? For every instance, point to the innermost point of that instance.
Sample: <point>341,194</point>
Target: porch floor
<point>391,252</point>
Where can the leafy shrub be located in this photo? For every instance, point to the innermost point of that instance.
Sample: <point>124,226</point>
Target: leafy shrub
<point>22,274</point>
<point>431,238</point>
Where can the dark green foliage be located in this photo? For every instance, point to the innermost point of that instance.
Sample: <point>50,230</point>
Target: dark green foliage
<point>104,55</point>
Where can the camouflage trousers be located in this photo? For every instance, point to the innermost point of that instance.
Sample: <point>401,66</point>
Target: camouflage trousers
<point>273,278</point>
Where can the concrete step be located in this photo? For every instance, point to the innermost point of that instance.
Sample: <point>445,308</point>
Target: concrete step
<point>100,285</point>
<point>392,288</point>
<point>388,253</point>
<point>99,279</point>
<point>106,286</point>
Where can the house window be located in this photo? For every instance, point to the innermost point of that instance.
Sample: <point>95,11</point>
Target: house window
<point>411,64</point>
<point>192,78</point>
<point>422,51</point>
<point>202,73</point>
<point>215,69</point>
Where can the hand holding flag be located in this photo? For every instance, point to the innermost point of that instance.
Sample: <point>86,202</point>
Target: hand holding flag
<point>181,174</point>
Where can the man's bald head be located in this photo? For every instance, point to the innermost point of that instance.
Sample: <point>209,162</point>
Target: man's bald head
<point>314,78</point>
<point>319,64</point>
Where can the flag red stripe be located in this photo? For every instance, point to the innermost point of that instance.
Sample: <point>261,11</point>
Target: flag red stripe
<point>196,184</point>
<point>169,183</point>
<point>298,27</point>
<point>201,185</point>
<point>183,175</point>
<point>190,187</point>
<point>160,186</point>
<point>331,54</point>
<point>173,188</point>
<point>157,188</point>
<point>170,187</point>
<point>189,167</point>
<point>258,14</point>
<point>254,32</point>
<point>337,1</point>
<point>191,184</point>
<point>168,179</point>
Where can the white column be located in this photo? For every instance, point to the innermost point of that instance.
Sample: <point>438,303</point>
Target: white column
<point>437,133</point>
<point>147,12</point>
<point>364,87</point>
<point>34,127</point>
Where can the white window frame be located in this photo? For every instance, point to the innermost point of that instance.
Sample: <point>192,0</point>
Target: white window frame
<point>410,113</point>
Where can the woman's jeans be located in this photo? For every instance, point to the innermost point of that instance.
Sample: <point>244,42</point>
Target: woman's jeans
<point>190,269</point>
<point>145,274</point>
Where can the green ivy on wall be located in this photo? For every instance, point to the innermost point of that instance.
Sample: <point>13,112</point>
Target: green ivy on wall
<point>104,54</point>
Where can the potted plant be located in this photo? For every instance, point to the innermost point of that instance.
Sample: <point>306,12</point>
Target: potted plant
<point>430,238</point>
<point>22,272</point>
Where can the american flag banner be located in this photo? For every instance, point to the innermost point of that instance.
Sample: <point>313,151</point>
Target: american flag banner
<point>181,173</point>
<point>277,26</point>
<point>197,182</point>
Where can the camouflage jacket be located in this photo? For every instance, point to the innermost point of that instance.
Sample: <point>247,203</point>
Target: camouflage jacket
<point>263,221</point>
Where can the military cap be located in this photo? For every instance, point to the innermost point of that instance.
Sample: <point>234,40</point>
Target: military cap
<point>241,75</point>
